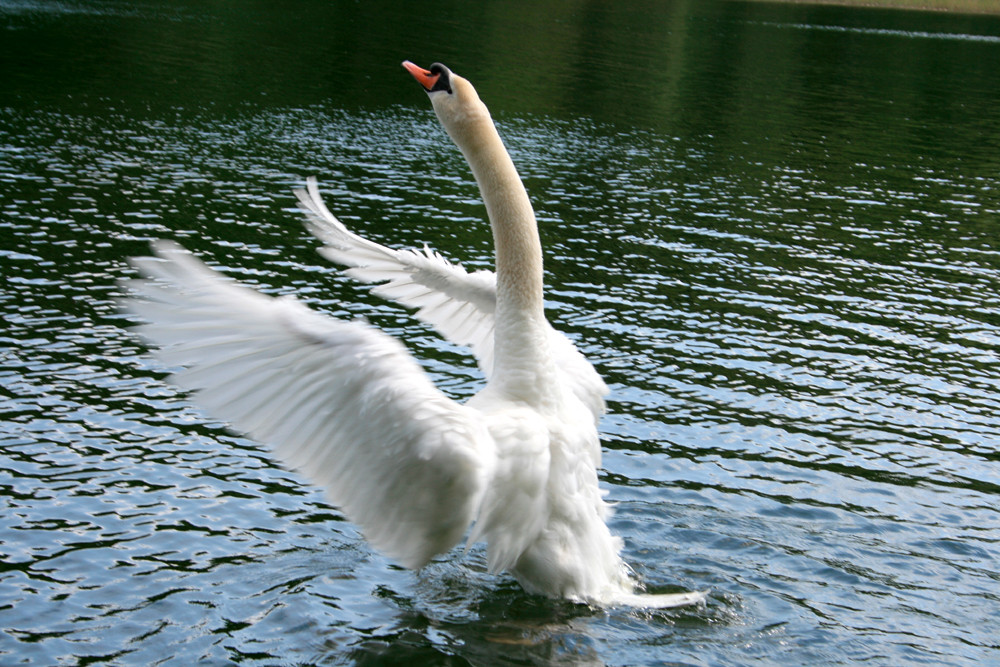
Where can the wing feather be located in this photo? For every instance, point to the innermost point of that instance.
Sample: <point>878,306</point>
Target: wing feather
<point>422,280</point>
<point>458,304</point>
<point>340,401</point>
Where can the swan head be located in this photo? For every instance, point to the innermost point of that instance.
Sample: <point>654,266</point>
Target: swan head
<point>455,101</point>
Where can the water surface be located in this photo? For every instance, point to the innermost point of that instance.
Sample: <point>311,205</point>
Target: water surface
<point>773,228</point>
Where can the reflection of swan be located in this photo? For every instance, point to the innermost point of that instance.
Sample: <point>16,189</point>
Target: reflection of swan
<point>348,406</point>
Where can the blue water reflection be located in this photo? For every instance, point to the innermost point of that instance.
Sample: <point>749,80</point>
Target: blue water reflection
<point>783,261</point>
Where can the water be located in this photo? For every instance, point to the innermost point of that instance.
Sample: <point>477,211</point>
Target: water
<point>773,228</point>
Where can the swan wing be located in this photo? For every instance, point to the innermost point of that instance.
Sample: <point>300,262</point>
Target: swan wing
<point>458,304</point>
<point>341,402</point>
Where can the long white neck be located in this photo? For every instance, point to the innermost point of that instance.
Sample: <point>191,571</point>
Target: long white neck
<point>522,363</point>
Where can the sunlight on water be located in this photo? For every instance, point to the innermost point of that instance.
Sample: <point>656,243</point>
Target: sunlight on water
<point>800,330</point>
<point>885,32</point>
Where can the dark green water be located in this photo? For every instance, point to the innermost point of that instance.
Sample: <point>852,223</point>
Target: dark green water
<point>775,229</point>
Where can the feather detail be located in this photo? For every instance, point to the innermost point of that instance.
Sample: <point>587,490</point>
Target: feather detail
<point>340,401</point>
<point>460,305</point>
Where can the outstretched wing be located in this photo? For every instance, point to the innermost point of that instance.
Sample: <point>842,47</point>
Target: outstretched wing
<point>340,401</point>
<point>458,304</point>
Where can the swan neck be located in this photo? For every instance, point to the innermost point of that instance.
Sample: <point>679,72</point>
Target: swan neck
<point>521,329</point>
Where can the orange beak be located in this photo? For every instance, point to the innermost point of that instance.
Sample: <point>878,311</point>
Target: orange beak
<point>423,77</point>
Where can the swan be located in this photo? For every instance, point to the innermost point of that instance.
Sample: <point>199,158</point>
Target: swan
<point>348,406</point>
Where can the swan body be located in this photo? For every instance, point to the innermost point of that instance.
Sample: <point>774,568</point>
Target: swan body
<point>348,406</point>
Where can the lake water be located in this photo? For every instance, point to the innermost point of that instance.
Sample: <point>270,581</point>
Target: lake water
<point>775,229</point>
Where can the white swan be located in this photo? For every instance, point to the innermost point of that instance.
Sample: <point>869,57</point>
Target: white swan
<point>349,407</point>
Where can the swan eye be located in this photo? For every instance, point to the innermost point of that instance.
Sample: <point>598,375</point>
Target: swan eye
<point>444,78</point>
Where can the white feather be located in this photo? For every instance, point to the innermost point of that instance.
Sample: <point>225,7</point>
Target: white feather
<point>342,402</point>
<point>349,407</point>
<point>460,305</point>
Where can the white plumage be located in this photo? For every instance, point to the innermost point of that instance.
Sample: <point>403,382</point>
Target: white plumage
<point>349,407</point>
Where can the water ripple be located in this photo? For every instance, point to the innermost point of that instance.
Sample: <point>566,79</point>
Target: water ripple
<point>802,354</point>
